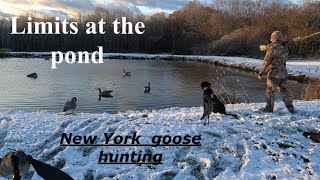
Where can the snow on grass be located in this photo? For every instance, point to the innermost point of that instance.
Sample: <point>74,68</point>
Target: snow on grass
<point>255,146</point>
<point>297,67</point>
<point>308,67</point>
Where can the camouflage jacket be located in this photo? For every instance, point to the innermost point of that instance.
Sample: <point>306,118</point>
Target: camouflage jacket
<point>275,61</point>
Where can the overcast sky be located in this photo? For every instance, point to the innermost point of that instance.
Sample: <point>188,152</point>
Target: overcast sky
<point>69,7</point>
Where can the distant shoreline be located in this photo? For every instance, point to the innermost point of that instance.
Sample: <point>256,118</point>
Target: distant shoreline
<point>299,70</point>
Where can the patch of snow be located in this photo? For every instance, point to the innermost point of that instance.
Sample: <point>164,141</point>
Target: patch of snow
<point>256,146</point>
<point>296,67</point>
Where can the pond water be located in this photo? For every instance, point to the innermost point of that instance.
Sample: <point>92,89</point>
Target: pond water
<point>173,84</point>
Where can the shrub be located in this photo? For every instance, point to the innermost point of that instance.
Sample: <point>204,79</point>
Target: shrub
<point>4,50</point>
<point>312,91</point>
<point>243,41</point>
<point>227,94</point>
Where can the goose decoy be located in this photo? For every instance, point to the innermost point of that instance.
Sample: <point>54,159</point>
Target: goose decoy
<point>32,75</point>
<point>70,105</point>
<point>147,89</point>
<point>16,163</point>
<point>13,164</point>
<point>313,136</point>
<point>125,73</point>
<point>104,93</point>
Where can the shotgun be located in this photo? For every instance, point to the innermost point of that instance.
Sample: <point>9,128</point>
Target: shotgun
<point>295,40</point>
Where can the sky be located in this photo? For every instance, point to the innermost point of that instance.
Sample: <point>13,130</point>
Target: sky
<point>65,8</point>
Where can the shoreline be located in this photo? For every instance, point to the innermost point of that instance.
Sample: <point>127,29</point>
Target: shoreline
<point>302,71</point>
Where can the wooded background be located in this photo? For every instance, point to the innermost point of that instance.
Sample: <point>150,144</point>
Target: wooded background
<point>224,27</point>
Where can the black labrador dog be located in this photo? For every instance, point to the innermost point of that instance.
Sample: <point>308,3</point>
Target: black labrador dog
<point>211,103</point>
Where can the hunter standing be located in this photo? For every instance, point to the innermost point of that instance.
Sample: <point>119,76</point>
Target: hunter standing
<point>275,65</point>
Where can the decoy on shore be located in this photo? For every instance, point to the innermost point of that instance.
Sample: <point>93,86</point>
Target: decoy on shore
<point>106,93</point>
<point>313,136</point>
<point>70,105</point>
<point>147,89</point>
<point>16,163</point>
<point>125,73</point>
<point>32,75</point>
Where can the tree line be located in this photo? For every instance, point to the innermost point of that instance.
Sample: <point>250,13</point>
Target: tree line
<point>223,27</point>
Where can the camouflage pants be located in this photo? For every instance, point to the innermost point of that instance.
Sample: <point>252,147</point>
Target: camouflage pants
<point>281,84</point>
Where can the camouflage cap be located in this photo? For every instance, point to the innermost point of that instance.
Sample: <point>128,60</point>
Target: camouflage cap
<point>277,35</point>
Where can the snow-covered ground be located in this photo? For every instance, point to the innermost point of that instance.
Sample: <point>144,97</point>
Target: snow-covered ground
<point>255,146</point>
<point>298,67</point>
<point>295,67</point>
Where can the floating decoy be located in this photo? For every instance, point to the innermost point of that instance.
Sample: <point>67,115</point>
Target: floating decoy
<point>125,73</point>
<point>313,136</point>
<point>104,93</point>
<point>32,75</point>
<point>16,163</point>
<point>70,105</point>
<point>147,89</point>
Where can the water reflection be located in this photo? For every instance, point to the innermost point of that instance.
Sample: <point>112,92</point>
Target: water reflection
<point>173,83</point>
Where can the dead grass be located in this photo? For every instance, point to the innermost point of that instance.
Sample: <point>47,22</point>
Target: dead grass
<point>312,91</point>
<point>229,95</point>
<point>4,50</point>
